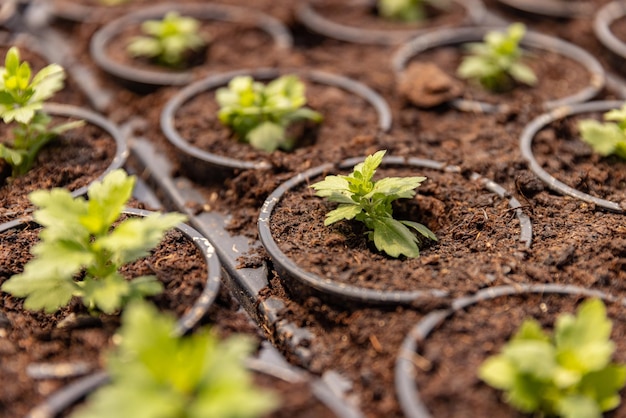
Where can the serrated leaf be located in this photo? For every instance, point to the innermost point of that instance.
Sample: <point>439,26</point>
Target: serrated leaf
<point>394,238</point>
<point>532,357</point>
<point>107,293</point>
<point>134,237</point>
<point>344,211</point>
<point>46,82</point>
<point>107,199</point>
<point>402,187</point>
<point>421,229</point>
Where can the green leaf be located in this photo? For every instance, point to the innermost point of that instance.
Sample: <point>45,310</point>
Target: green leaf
<point>267,136</point>
<point>46,82</point>
<point>577,406</point>
<point>345,211</point>
<point>400,187</point>
<point>421,229</point>
<point>394,238</point>
<point>107,199</point>
<point>260,114</point>
<point>134,237</point>
<point>583,341</point>
<point>603,138</point>
<point>193,376</point>
<point>106,293</point>
<point>604,386</point>
<point>499,372</point>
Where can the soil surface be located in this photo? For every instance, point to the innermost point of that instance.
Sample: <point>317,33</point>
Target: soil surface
<point>573,242</point>
<point>72,160</point>
<point>452,354</point>
<point>72,335</point>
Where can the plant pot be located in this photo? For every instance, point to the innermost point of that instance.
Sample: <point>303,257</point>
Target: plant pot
<point>443,48</point>
<point>108,50</point>
<point>204,165</point>
<point>579,157</point>
<point>435,380</point>
<point>77,158</point>
<point>368,277</point>
<point>376,30</point>
<point>605,24</point>
<point>563,9</point>
<point>185,260</point>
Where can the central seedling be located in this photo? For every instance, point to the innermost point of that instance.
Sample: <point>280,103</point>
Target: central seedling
<point>568,374</point>
<point>496,62</point>
<point>155,373</point>
<point>21,103</point>
<point>368,201</point>
<point>168,41</point>
<point>261,114</point>
<point>609,137</point>
<point>80,252</point>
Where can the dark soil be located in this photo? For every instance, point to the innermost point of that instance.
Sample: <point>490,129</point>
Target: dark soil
<point>574,242</point>
<point>35,337</point>
<point>478,237</point>
<point>562,153</point>
<point>73,160</point>
<point>448,382</point>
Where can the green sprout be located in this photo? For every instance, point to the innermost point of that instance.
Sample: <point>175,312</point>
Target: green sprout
<point>495,62</point>
<point>369,201</point>
<point>261,114</point>
<point>405,10</point>
<point>80,253</point>
<point>21,102</point>
<point>168,40</point>
<point>156,374</point>
<point>568,374</point>
<point>606,138</point>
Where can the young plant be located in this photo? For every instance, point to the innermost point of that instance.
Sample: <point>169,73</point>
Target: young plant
<point>168,40</point>
<point>369,201</point>
<point>495,62</point>
<point>261,114</point>
<point>568,374</point>
<point>80,253</point>
<point>21,102</point>
<point>156,374</point>
<point>606,138</point>
<point>405,10</point>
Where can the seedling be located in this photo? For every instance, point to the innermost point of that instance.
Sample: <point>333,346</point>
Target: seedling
<point>80,253</point>
<point>261,114</point>
<point>606,138</point>
<point>568,374</point>
<point>405,10</point>
<point>21,102</point>
<point>495,62</point>
<point>155,373</point>
<point>167,41</point>
<point>369,201</point>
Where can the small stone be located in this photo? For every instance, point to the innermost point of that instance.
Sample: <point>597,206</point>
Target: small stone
<point>426,85</point>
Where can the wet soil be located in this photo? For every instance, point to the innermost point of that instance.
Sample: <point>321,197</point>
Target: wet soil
<point>573,242</point>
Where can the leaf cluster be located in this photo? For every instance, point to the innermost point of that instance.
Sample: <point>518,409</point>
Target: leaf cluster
<point>606,138</point>
<point>369,201</point>
<point>406,10</point>
<point>156,374</point>
<point>168,40</point>
<point>568,374</point>
<point>79,252</point>
<point>261,114</point>
<point>495,62</point>
<point>21,101</point>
